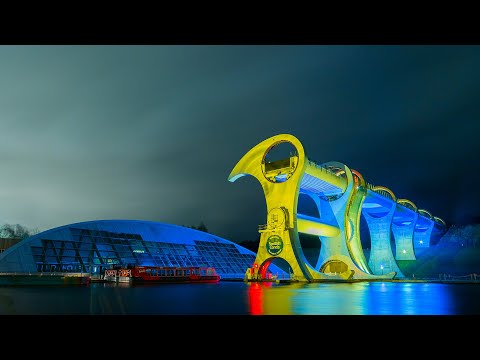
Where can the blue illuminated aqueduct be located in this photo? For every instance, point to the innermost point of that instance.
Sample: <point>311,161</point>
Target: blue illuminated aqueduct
<point>341,195</point>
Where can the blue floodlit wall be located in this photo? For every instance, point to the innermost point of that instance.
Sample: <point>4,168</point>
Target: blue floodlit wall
<point>94,246</point>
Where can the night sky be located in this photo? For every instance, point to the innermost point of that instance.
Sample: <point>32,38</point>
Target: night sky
<point>152,132</point>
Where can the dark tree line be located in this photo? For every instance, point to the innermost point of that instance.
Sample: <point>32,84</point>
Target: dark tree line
<point>201,227</point>
<point>461,235</point>
<point>16,231</point>
<point>250,245</point>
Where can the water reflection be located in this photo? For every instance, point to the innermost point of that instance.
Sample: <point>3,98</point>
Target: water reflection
<point>239,298</point>
<point>359,298</point>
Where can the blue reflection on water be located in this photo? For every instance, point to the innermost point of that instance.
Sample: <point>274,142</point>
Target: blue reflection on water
<point>388,298</point>
<point>362,298</point>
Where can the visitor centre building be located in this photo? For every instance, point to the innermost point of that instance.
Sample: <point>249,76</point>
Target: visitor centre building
<point>93,246</point>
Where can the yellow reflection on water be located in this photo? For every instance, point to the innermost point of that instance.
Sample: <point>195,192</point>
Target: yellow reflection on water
<point>357,298</point>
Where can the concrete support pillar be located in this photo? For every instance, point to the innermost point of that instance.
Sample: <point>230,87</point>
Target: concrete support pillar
<point>403,234</point>
<point>422,234</point>
<point>381,259</point>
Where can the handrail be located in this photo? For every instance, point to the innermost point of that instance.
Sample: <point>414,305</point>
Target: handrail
<point>320,167</point>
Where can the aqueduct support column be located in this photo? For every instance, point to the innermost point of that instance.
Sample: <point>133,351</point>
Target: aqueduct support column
<point>403,232</point>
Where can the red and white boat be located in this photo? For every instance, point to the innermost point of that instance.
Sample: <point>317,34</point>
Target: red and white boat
<point>163,274</point>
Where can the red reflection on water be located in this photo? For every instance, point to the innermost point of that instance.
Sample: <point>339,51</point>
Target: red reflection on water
<point>255,297</point>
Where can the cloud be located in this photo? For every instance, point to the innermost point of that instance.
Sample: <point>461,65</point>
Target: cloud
<point>152,132</point>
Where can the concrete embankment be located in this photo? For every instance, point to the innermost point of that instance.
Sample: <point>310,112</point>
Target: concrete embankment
<point>44,279</point>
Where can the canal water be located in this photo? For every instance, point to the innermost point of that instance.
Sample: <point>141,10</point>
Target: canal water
<point>239,298</point>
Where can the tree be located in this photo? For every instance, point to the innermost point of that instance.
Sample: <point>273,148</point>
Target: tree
<point>201,227</point>
<point>16,231</point>
<point>251,244</point>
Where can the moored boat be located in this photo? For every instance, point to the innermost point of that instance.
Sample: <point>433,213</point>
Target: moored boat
<point>162,274</point>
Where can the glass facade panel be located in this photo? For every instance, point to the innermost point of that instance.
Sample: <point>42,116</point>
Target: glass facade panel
<point>51,259</point>
<point>122,248</point>
<point>107,254</point>
<point>67,259</point>
<point>84,253</point>
<point>105,247</point>
<point>67,252</point>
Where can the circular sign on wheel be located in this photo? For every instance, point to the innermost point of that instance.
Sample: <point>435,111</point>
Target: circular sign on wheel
<point>274,245</point>
<point>276,218</point>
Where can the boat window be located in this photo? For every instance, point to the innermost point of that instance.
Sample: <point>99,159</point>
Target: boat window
<point>149,272</point>
<point>154,272</point>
